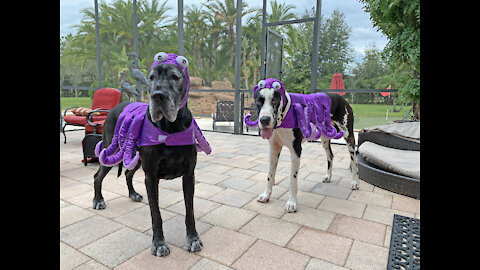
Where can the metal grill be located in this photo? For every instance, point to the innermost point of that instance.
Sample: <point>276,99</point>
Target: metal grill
<point>405,243</point>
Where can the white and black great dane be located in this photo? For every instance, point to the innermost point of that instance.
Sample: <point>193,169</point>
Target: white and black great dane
<point>269,105</point>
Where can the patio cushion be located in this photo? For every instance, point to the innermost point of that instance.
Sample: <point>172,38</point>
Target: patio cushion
<point>106,98</point>
<point>406,130</point>
<point>393,160</point>
<point>90,129</point>
<point>81,120</point>
<point>81,111</point>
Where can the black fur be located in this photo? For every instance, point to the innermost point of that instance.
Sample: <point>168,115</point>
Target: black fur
<point>159,161</point>
<point>297,142</point>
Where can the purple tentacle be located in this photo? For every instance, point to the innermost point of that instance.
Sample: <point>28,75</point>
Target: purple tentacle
<point>318,121</point>
<point>98,148</point>
<point>109,161</point>
<point>327,130</point>
<point>202,144</point>
<point>130,147</point>
<point>113,147</point>
<point>117,139</point>
<point>133,162</point>
<point>106,157</point>
<point>313,134</point>
<point>250,123</point>
<point>304,126</point>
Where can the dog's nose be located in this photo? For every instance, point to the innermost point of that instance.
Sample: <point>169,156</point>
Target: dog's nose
<point>265,120</point>
<point>158,96</point>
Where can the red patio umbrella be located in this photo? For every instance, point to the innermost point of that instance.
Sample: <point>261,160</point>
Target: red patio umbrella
<point>337,83</point>
<point>386,93</point>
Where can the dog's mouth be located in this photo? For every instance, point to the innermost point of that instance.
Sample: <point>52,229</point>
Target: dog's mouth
<point>158,112</point>
<point>156,115</point>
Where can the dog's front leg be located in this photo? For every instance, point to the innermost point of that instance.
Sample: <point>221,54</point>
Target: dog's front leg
<point>291,204</point>
<point>328,151</point>
<point>194,243</point>
<point>159,245</point>
<point>274,153</point>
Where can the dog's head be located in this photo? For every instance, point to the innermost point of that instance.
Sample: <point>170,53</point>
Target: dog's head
<point>269,96</point>
<point>169,86</point>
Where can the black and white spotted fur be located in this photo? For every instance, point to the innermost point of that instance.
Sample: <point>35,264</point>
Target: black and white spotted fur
<point>268,104</point>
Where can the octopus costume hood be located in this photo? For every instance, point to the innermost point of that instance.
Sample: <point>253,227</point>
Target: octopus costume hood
<point>133,129</point>
<point>309,112</point>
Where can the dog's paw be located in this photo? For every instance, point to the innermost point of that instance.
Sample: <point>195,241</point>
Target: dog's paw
<point>99,204</point>
<point>160,249</point>
<point>326,178</point>
<point>135,197</point>
<point>354,184</point>
<point>264,197</point>
<point>194,243</point>
<point>290,206</point>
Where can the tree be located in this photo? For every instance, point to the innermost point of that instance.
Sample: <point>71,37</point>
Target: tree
<point>371,73</point>
<point>226,13</point>
<point>335,51</point>
<point>400,22</point>
<point>195,31</point>
<point>116,36</point>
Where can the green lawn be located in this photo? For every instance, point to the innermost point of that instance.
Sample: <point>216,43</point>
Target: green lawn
<point>75,101</point>
<point>366,115</point>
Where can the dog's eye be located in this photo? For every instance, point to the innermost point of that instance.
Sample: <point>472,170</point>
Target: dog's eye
<point>260,101</point>
<point>151,77</point>
<point>175,76</point>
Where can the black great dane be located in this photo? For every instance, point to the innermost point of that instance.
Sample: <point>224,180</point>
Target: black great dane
<point>169,86</point>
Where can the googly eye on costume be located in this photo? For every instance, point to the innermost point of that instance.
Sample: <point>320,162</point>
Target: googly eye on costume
<point>182,61</point>
<point>160,57</point>
<point>276,85</point>
<point>261,84</point>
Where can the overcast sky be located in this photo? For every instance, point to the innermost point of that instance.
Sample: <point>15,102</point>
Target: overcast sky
<point>363,32</point>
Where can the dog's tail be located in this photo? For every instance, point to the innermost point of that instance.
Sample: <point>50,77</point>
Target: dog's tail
<point>120,166</point>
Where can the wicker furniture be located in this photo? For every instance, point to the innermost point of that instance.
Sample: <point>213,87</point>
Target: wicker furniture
<point>379,177</point>
<point>224,112</point>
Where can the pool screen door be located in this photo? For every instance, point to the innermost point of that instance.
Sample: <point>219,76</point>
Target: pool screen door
<point>274,55</point>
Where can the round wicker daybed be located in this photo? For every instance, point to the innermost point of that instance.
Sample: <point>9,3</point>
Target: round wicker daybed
<point>381,176</point>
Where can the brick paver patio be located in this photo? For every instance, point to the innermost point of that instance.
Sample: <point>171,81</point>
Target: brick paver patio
<point>334,227</point>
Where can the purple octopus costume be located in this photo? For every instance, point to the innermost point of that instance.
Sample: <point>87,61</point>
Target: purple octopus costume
<point>133,129</point>
<point>309,112</point>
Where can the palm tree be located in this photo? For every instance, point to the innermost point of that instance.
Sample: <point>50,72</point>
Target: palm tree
<point>213,31</point>
<point>116,32</point>
<point>195,30</point>
<point>281,12</point>
<point>225,12</point>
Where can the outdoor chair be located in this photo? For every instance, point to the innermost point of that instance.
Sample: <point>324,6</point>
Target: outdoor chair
<point>390,159</point>
<point>103,100</point>
<point>224,112</point>
<point>93,134</point>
